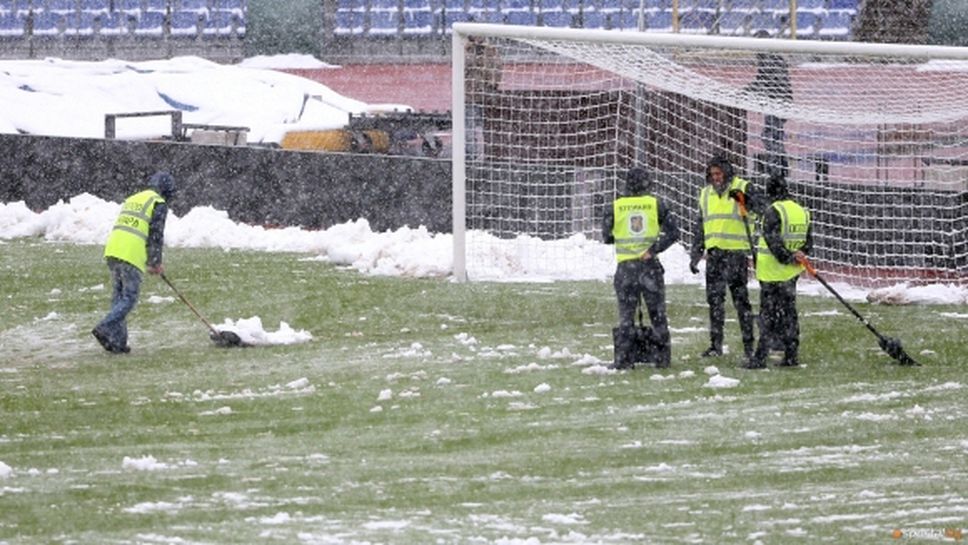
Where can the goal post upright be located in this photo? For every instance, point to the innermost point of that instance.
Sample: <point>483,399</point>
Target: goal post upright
<point>458,165</point>
<point>669,101</point>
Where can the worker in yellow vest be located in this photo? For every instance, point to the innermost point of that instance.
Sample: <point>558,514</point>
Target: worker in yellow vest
<point>641,227</point>
<point>133,247</point>
<point>786,240</point>
<point>721,236</point>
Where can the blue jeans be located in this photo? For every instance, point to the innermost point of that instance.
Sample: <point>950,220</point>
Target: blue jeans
<point>126,279</point>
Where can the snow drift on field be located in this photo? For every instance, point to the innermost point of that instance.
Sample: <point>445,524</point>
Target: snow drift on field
<point>406,252</point>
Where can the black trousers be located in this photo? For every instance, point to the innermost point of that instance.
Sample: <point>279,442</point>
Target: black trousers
<point>634,279</point>
<point>727,269</point>
<point>778,316</point>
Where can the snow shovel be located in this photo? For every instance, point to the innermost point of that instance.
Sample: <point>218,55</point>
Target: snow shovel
<point>223,339</point>
<point>889,345</point>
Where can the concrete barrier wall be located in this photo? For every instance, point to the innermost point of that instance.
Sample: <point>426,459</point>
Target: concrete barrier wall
<point>258,186</point>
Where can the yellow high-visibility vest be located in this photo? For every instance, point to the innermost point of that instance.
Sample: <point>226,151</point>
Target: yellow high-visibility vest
<point>721,223</point>
<point>128,240</point>
<point>794,222</point>
<point>636,226</point>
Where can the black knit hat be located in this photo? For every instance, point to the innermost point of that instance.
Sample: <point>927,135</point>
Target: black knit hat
<point>637,180</point>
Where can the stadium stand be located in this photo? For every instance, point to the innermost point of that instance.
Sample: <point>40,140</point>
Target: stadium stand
<point>102,28</point>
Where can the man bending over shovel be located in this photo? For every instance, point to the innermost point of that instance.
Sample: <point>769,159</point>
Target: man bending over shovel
<point>134,245</point>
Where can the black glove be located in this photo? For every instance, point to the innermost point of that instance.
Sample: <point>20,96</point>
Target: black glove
<point>694,265</point>
<point>736,195</point>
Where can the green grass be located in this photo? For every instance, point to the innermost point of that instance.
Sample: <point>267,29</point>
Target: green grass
<point>844,450</point>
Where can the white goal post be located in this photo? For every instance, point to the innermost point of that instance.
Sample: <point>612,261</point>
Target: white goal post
<point>873,138</point>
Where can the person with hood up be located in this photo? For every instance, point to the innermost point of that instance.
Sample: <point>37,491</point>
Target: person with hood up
<point>641,227</point>
<point>787,238</point>
<point>134,246</point>
<point>722,237</point>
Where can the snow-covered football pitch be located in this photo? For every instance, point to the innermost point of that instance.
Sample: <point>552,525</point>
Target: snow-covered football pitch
<point>395,410</point>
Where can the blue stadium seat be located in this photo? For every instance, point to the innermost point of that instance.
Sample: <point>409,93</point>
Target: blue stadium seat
<point>350,5</point>
<point>80,24</point>
<point>61,6</point>
<point>659,22</point>
<point>112,23</point>
<point>744,6</point>
<point>451,17</point>
<point>811,5</point>
<point>843,4</point>
<point>418,22</point>
<point>218,23</point>
<point>593,19</point>
<point>187,23</point>
<point>696,21</point>
<point>349,22</point>
<point>517,5</point>
<point>836,24</point>
<point>95,6</point>
<point>47,23</point>
<point>776,6</point>
<point>734,22</point>
<point>384,22</point>
<point>157,5</point>
<point>150,24</point>
<point>557,19</point>
<point>193,5</point>
<point>763,21</point>
<point>522,18</point>
<point>805,22</point>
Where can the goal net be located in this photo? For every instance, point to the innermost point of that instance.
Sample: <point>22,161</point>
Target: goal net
<point>873,139</point>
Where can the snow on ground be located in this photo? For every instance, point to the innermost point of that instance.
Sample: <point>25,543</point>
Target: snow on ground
<point>56,97</point>
<point>406,252</point>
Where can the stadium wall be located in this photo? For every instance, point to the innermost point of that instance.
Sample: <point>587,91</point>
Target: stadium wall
<point>258,186</point>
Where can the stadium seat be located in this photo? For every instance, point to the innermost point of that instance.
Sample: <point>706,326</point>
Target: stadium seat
<point>95,6</point>
<point>811,5</point>
<point>451,17</point>
<point>349,22</point>
<point>79,24</point>
<point>418,22</point>
<point>659,22</point>
<point>843,4</point>
<point>696,21</point>
<point>48,23</point>
<point>836,24</point>
<point>593,19</point>
<point>517,5</point>
<point>11,25</point>
<point>522,18</point>
<point>763,21</point>
<point>150,24</point>
<point>187,23</point>
<point>556,19</point>
<point>61,6</point>
<point>744,6</point>
<point>734,22</point>
<point>384,22</point>
<point>218,23</point>
<point>805,23</point>
<point>156,5</point>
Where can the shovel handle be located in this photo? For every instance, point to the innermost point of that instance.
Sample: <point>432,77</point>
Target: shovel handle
<point>807,265</point>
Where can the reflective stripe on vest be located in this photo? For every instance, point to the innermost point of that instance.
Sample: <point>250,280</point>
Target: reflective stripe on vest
<point>128,240</point>
<point>636,226</point>
<point>794,222</point>
<point>721,223</point>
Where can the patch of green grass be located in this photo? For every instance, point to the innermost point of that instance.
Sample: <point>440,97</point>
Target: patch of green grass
<point>464,448</point>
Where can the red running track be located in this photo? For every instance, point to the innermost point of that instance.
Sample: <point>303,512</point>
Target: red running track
<point>425,87</point>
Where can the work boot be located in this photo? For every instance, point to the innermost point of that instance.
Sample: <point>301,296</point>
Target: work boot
<point>753,363</point>
<point>712,352</point>
<point>788,362</point>
<point>103,339</point>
